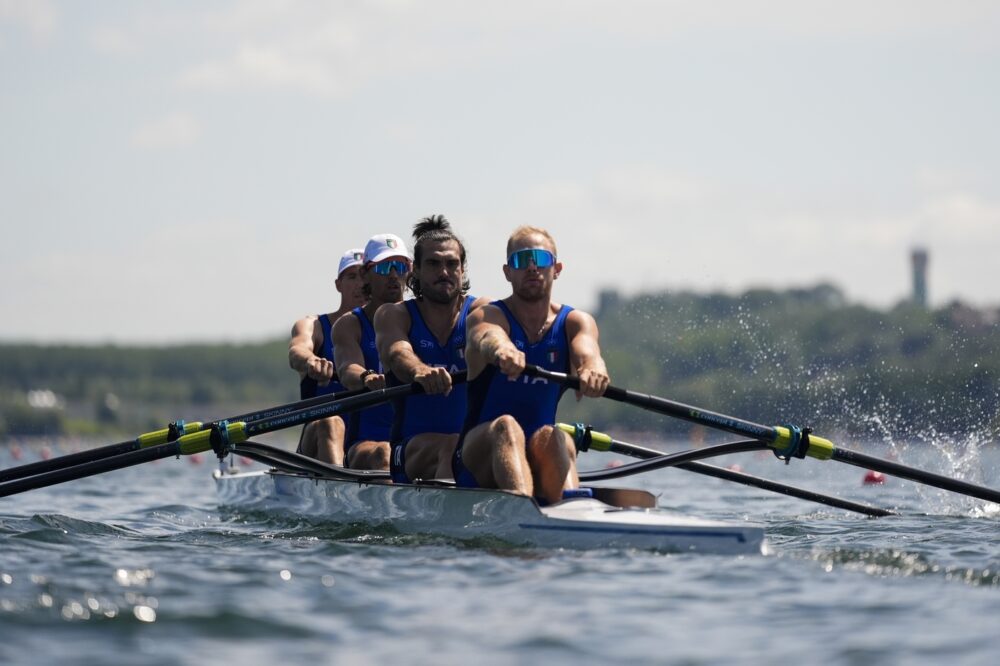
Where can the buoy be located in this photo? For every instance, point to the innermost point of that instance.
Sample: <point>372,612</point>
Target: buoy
<point>735,468</point>
<point>195,458</point>
<point>45,453</point>
<point>246,462</point>
<point>613,464</point>
<point>873,478</point>
<point>15,452</point>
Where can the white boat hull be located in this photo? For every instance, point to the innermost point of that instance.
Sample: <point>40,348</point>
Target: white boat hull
<point>465,513</point>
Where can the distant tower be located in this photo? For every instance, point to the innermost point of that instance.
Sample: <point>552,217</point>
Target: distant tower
<point>919,259</point>
<point>607,300</point>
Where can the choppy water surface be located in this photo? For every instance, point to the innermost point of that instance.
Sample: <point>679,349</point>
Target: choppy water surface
<point>142,566</point>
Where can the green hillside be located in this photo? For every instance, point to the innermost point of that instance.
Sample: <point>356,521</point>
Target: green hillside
<point>805,356</point>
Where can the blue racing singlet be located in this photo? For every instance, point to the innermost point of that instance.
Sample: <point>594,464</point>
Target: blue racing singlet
<point>532,401</point>
<point>373,423</point>
<point>432,413</point>
<point>308,388</point>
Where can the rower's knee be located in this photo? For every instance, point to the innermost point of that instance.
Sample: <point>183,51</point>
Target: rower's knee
<point>550,442</point>
<point>505,431</point>
<point>330,428</point>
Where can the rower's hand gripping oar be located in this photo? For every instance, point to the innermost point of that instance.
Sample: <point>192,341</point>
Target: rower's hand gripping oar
<point>787,442</point>
<point>586,439</point>
<point>221,438</point>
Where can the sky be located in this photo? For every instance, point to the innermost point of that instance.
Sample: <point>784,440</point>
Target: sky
<point>191,171</point>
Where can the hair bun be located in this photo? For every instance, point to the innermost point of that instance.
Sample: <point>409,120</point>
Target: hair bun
<point>430,223</point>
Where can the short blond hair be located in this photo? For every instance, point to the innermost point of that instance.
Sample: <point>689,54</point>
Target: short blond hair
<point>527,230</point>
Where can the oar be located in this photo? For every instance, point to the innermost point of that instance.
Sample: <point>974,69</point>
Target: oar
<point>786,441</point>
<point>160,437</point>
<point>271,455</point>
<point>589,439</point>
<point>221,438</point>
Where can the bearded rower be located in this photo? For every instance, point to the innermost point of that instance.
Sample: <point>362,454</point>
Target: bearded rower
<point>422,340</point>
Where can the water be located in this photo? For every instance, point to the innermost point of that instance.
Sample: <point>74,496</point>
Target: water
<point>141,566</point>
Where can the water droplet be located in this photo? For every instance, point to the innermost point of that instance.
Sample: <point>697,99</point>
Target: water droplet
<point>285,574</point>
<point>144,614</point>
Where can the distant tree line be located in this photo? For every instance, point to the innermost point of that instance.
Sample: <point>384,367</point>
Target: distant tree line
<point>804,356</point>
<point>808,357</point>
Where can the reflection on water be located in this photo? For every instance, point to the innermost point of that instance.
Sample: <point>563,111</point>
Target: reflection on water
<point>142,566</point>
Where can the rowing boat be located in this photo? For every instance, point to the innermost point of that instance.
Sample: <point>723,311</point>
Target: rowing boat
<point>613,518</point>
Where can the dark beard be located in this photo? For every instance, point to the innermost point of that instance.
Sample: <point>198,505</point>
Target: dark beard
<point>438,297</point>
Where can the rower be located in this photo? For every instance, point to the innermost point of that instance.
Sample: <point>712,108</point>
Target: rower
<point>384,271</point>
<point>422,340</point>
<point>310,352</point>
<point>509,440</point>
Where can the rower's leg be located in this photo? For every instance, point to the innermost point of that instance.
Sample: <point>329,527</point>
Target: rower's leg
<point>369,455</point>
<point>494,453</point>
<point>324,440</point>
<point>425,452</point>
<point>552,457</point>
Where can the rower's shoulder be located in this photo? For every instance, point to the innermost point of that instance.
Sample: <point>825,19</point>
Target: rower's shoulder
<point>480,302</point>
<point>485,310</point>
<point>391,313</point>
<point>346,323</point>
<point>580,320</point>
<point>304,325</point>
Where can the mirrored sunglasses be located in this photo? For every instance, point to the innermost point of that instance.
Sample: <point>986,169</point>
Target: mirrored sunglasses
<point>541,258</point>
<point>386,267</point>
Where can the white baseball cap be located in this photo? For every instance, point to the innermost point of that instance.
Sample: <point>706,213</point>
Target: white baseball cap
<point>350,258</point>
<point>382,246</point>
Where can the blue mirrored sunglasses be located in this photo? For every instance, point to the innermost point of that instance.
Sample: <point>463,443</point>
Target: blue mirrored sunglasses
<point>386,267</point>
<point>541,258</point>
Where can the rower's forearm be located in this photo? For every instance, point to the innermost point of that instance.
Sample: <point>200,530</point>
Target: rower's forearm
<point>351,376</point>
<point>405,365</point>
<point>299,357</point>
<point>491,343</point>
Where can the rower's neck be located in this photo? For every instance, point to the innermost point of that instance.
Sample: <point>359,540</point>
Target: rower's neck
<point>535,317</point>
<point>440,318</point>
<point>372,307</point>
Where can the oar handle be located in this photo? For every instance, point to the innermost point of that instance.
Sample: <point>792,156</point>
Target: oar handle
<point>345,406</point>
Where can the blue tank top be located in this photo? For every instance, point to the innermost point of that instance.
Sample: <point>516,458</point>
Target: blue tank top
<point>372,424</point>
<point>432,413</point>
<point>532,401</point>
<point>308,388</point>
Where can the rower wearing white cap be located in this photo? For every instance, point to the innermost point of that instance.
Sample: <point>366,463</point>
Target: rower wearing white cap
<point>310,353</point>
<point>384,271</point>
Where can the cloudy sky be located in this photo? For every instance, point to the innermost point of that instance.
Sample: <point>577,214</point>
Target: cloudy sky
<point>175,171</point>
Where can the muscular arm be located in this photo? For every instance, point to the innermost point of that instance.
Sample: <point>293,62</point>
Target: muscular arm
<point>392,337</point>
<point>585,354</point>
<point>307,337</point>
<point>489,342</point>
<point>350,357</point>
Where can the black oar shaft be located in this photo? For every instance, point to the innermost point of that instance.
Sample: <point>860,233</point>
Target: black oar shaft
<point>90,468</point>
<point>677,410</point>
<point>635,451</point>
<point>154,439</point>
<point>68,460</point>
<point>902,471</point>
<point>352,404</point>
